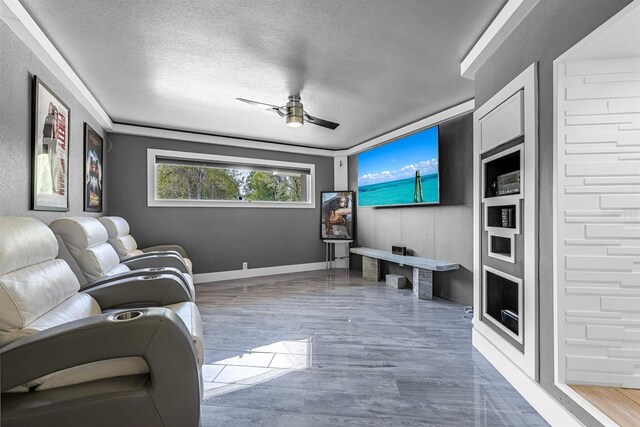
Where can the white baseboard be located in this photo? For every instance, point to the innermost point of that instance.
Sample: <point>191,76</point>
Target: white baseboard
<point>255,272</point>
<point>587,406</point>
<point>549,408</point>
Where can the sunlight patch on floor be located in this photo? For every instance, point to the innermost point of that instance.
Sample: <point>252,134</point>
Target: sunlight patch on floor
<point>255,366</point>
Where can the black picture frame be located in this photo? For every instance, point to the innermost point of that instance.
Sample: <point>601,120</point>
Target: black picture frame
<point>335,225</point>
<point>51,125</point>
<point>93,170</point>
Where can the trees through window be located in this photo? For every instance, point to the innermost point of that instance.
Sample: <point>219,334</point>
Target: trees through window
<point>218,178</point>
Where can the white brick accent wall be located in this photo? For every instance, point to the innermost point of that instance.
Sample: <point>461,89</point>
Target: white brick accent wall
<point>598,226</point>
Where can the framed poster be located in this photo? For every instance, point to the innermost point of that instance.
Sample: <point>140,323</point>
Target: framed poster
<point>92,170</point>
<point>50,163</point>
<point>337,215</point>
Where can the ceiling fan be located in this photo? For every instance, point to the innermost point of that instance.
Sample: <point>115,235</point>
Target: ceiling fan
<point>293,113</point>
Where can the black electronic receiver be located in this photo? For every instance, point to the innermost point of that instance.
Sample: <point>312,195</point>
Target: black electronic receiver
<point>399,250</point>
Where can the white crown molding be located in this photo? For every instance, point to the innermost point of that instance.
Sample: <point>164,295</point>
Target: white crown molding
<point>256,272</point>
<point>443,116</point>
<point>217,140</point>
<point>507,20</point>
<point>19,20</point>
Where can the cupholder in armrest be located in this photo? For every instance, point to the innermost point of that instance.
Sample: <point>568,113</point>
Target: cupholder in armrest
<point>127,315</point>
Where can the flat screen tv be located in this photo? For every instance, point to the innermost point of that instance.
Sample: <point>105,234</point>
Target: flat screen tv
<point>401,172</point>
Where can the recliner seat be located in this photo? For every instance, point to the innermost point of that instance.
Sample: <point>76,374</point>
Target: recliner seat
<point>126,246</point>
<point>83,244</point>
<point>67,360</point>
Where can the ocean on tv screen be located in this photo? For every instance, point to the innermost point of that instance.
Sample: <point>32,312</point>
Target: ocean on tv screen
<point>402,172</point>
<point>400,192</point>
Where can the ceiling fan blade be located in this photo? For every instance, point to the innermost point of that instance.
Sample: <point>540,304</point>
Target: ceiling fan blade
<point>259,104</point>
<point>279,111</point>
<point>321,122</point>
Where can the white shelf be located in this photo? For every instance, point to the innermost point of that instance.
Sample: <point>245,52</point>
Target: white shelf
<point>507,199</point>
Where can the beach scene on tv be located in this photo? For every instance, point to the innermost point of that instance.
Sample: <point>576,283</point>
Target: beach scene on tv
<point>402,172</point>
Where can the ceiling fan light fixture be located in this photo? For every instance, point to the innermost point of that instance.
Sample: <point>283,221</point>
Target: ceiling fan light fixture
<point>295,112</point>
<point>294,121</point>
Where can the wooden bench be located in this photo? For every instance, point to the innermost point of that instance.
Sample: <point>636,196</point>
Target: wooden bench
<point>423,268</point>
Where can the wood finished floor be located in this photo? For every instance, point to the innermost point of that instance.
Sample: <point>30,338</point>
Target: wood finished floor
<point>318,349</point>
<point>622,405</point>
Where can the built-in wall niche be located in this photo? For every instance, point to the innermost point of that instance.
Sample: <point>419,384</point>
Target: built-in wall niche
<point>501,172</point>
<point>502,221</point>
<point>505,225</point>
<point>503,302</point>
<point>502,248</point>
<point>502,216</point>
<point>502,198</point>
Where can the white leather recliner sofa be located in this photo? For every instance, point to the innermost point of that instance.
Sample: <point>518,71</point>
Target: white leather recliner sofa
<point>127,247</point>
<point>69,360</point>
<point>83,244</point>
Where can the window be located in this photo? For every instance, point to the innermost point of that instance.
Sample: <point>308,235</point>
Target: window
<point>193,179</point>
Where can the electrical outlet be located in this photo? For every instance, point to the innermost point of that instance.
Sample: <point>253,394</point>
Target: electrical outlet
<point>245,265</point>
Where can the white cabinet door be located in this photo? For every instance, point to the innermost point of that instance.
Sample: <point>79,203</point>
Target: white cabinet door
<point>503,123</point>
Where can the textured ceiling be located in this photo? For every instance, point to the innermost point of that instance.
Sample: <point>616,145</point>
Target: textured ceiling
<point>370,65</point>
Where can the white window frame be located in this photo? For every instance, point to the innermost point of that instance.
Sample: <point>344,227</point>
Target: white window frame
<point>153,201</point>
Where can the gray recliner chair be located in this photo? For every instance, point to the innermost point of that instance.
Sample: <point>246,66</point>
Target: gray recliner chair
<point>127,247</point>
<point>83,244</point>
<point>67,360</point>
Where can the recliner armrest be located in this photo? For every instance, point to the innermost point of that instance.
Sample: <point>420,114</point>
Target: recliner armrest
<point>158,252</point>
<point>141,291</point>
<point>137,273</point>
<point>164,248</point>
<point>156,259</point>
<point>157,335</point>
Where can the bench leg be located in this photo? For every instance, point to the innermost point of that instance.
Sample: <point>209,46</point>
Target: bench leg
<point>371,269</point>
<point>422,283</point>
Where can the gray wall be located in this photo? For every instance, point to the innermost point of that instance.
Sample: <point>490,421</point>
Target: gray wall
<point>17,68</point>
<point>444,231</point>
<point>549,30</point>
<point>216,239</point>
